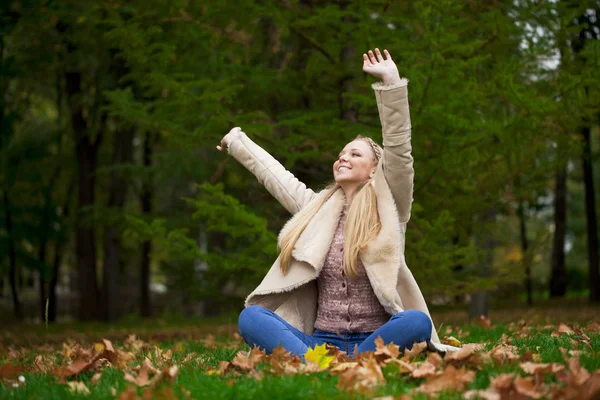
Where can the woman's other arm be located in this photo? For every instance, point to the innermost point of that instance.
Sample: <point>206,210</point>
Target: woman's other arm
<point>292,194</point>
<point>392,103</point>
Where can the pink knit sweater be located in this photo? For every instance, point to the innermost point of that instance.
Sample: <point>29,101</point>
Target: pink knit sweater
<point>346,305</point>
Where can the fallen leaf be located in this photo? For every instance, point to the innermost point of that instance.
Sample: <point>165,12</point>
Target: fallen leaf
<point>318,356</point>
<point>488,394</point>
<point>11,371</point>
<point>425,369</point>
<point>341,367</point>
<point>504,353</point>
<point>96,378</point>
<point>242,361</point>
<point>74,368</point>
<point>535,368</point>
<point>385,352</point>
<point>364,377</point>
<point>416,349</point>
<point>484,321</point>
<point>78,387</point>
<point>451,379</point>
<point>526,387</point>
<point>434,358</point>
<point>451,340</point>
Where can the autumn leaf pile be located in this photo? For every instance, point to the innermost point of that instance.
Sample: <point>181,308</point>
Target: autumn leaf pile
<point>154,370</point>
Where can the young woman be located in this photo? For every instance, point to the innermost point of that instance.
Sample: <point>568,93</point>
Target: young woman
<point>341,276</point>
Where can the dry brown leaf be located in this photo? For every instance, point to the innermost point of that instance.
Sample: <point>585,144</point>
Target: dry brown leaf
<point>257,355</point>
<point>416,349</point>
<point>243,362</point>
<point>384,353</point>
<point>526,387</point>
<point>11,371</point>
<point>96,378</point>
<point>593,327</point>
<point>403,366</point>
<point>504,354</point>
<point>74,368</point>
<point>460,355</point>
<point>425,369</point>
<point>488,394</point>
<point>364,377</point>
<point>484,321</point>
<point>341,367</point>
<point>434,358</point>
<point>282,362</point>
<point>535,368</point>
<point>450,379</point>
<point>78,387</point>
<point>41,364</point>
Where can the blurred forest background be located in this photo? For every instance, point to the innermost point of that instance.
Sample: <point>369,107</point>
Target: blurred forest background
<point>115,202</point>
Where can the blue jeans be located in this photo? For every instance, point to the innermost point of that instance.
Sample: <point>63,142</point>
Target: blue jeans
<point>262,327</point>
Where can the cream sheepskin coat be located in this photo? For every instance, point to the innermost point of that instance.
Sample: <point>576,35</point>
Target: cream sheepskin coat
<point>294,296</point>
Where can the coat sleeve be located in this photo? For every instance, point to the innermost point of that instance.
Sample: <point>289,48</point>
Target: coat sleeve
<point>282,184</point>
<point>392,104</point>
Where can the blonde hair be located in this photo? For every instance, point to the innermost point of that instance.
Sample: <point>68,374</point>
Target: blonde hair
<point>362,221</point>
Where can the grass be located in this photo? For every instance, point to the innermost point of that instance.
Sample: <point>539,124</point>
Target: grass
<point>192,380</point>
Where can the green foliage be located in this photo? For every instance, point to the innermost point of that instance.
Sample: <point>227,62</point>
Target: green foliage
<point>491,122</point>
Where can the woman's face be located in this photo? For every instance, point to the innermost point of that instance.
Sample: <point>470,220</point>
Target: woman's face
<point>356,163</point>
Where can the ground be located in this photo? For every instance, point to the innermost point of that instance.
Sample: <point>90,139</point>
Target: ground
<point>549,351</point>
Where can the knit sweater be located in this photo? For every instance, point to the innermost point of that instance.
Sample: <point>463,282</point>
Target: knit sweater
<point>346,304</point>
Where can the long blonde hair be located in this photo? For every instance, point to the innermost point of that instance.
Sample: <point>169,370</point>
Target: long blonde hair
<point>362,221</point>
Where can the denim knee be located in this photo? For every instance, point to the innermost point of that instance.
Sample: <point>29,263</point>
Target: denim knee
<point>422,321</point>
<point>248,317</point>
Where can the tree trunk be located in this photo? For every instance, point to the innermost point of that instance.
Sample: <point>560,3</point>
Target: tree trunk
<point>12,257</point>
<point>146,200</point>
<point>479,300</point>
<point>590,213</point>
<point>558,277</point>
<point>524,248</point>
<point>85,238</point>
<point>42,288</point>
<point>348,109</point>
<point>122,154</point>
<point>56,265</point>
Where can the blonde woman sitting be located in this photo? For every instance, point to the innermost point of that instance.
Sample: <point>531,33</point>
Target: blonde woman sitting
<point>341,277</point>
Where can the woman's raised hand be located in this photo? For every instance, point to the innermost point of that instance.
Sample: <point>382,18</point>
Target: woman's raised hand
<point>235,132</point>
<point>384,69</point>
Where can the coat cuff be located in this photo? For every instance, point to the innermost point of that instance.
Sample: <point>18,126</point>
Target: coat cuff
<point>380,86</point>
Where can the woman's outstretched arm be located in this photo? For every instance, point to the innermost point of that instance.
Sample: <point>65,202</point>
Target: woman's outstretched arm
<point>392,103</point>
<point>282,184</point>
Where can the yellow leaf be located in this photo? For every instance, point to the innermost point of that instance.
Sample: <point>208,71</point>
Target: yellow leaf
<point>451,340</point>
<point>319,356</point>
<point>99,347</point>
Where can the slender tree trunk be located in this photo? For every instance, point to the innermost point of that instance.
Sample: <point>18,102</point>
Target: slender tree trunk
<point>12,257</point>
<point>122,154</point>
<point>558,277</point>
<point>85,238</point>
<point>42,288</point>
<point>146,200</point>
<point>53,283</point>
<point>479,300</point>
<point>590,212</point>
<point>348,109</point>
<point>52,299</point>
<point>524,248</point>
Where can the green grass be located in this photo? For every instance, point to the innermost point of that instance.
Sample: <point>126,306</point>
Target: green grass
<point>193,382</point>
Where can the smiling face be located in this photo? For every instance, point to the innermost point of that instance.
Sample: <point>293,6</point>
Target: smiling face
<point>355,164</point>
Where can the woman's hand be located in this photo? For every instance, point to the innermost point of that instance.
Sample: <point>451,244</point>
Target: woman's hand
<point>234,133</point>
<point>386,70</point>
